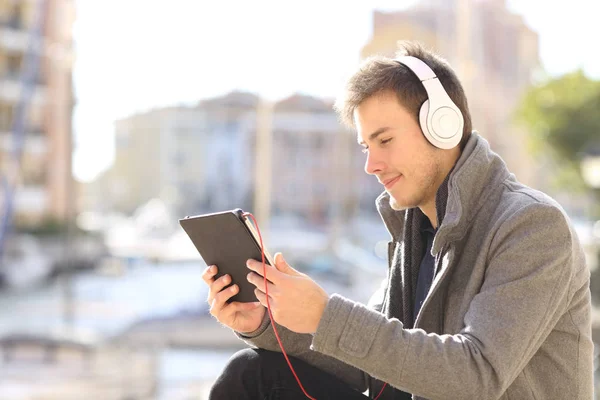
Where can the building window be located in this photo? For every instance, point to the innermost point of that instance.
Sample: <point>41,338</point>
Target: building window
<point>6,116</point>
<point>122,140</point>
<point>15,20</point>
<point>13,66</point>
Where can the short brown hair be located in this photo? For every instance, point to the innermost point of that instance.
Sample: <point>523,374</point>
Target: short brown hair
<point>378,74</point>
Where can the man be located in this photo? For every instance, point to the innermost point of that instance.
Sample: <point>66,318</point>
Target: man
<point>487,295</point>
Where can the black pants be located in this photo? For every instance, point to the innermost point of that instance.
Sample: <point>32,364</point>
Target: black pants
<point>256,374</point>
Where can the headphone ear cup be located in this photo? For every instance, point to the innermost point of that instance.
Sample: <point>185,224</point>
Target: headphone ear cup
<point>442,136</point>
<point>423,112</point>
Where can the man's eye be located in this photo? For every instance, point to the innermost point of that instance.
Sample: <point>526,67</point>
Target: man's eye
<point>386,141</point>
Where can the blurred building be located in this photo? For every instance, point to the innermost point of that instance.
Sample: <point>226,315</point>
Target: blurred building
<point>195,159</point>
<point>45,189</point>
<point>148,163</point>
<point>228,154</point>
<point>318,167</point>
<point>494,54</point>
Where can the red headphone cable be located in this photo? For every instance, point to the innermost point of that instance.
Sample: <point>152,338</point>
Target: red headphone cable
<point>264,265</point>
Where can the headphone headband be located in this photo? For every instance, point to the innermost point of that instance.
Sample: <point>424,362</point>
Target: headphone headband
<point>441,120</point>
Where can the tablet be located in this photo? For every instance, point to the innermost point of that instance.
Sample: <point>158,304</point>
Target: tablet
<point>227,239</point>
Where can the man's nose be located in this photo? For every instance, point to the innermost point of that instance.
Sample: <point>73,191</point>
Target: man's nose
<point>373,165</point>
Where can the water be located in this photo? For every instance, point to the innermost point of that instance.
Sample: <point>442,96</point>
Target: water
<point>186,374</point>
<point>105,305</point>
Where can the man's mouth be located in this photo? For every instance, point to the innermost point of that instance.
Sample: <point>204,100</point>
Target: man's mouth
<point>391,182</point>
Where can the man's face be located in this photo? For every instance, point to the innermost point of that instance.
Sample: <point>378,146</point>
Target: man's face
<point>398,153</point>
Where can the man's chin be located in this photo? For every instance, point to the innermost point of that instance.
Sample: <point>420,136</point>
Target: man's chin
<point>396,205</point>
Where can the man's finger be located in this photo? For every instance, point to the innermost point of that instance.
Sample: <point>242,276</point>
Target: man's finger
<point>217,286</point>
<point>282,266</point>
<point>257,266</point>
<point>209,274</point>
<point>220,301</point>
<point>259,282</point>
<point>262,298</point>
<point>226,294</point>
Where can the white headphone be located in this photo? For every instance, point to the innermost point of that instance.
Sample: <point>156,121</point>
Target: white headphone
<point>441,121</point>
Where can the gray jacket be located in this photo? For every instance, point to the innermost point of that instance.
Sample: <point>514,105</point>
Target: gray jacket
<point>508,315</point>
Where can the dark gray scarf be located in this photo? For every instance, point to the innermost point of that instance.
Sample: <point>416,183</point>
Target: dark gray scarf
<point>405,260</point>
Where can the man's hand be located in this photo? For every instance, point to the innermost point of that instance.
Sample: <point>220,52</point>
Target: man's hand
<point>297,302</point>
<point>241,317</point>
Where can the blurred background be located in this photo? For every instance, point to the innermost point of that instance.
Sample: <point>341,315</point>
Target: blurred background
<point>117,118</point>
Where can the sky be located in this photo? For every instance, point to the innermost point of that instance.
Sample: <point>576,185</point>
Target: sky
<point>133,55</point>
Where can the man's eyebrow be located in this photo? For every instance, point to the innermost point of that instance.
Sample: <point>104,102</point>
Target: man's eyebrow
<point>374,135</point>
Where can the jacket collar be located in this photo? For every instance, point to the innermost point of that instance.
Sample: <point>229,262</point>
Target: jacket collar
<point>477,171</point>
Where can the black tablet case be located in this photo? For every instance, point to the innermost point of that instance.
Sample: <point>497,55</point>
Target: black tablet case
<point>222,239</point>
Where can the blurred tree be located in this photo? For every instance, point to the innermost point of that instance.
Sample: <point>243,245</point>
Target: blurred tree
<point>563,118</point>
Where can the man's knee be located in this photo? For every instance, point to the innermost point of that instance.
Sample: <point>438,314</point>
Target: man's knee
<point>246,372</point>
<point>252,360</point>
<point>239,361</point>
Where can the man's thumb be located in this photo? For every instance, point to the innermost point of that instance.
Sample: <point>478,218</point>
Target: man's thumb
<point>282,265</point>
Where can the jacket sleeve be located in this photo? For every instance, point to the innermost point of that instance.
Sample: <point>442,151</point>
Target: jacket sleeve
<point>528,274</point>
